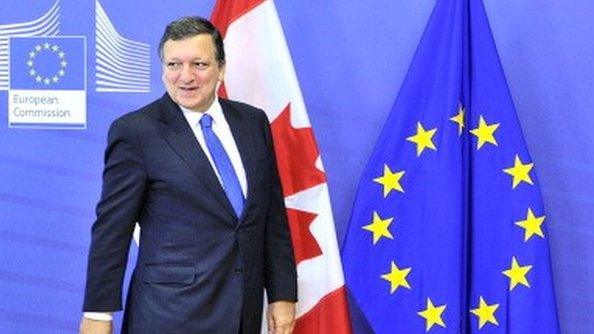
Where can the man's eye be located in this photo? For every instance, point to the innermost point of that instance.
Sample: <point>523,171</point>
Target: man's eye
<point>201,65</point>
<point>173,65</point>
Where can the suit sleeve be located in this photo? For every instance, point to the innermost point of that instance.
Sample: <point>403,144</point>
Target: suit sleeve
<point>281,274</point>
<point>124,183</point>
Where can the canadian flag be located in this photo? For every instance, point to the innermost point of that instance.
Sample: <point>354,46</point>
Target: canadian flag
<point>260,72</point>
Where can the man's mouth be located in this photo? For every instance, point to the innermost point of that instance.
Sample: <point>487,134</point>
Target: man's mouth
<point>188,89</point>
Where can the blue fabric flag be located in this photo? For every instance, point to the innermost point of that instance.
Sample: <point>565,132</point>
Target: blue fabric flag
<point>448,231</point>
<point>47,63</point>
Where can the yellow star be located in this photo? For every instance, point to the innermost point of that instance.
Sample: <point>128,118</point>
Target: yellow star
<point>485,313</point>
<point>390,180</point>
<point>432,315</point>
<point>517,274</point>
<point>379,227</point>
<point>520,172</point>
<point>423,139</point>
<point>484,133</point>
<point>397,277</point>
<point>532,225</point>
<point>459,118</point>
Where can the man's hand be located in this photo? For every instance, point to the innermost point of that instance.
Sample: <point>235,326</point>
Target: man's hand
<point>281,317</point>
<point>89,326</point>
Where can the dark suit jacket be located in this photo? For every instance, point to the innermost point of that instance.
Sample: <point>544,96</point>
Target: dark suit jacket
<point>200,268</point>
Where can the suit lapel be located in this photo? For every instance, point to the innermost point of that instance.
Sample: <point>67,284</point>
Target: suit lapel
<point>179,135</point>
<point>243,138</point>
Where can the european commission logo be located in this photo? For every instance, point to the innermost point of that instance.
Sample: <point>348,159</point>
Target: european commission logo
<point>47,82</point>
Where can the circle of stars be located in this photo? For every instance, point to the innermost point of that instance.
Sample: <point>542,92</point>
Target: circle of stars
<point>517,274</point>
<point>54,49</point>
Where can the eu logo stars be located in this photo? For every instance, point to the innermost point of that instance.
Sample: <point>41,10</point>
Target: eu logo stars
<point>47,83</point>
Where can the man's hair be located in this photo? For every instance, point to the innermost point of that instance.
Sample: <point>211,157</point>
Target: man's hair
<point>191,26</point>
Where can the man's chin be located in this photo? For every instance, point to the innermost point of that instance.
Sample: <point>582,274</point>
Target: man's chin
<point>193,106</point>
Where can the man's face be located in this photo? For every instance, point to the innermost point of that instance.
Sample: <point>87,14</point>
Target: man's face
<point>191,72</point>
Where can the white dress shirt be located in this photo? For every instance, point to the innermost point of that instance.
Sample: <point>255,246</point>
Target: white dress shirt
<point>222,130</point>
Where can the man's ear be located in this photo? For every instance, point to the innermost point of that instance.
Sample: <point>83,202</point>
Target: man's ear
<point>222,69</point>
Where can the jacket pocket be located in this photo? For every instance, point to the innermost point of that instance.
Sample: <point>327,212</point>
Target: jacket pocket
<point>169,274</point>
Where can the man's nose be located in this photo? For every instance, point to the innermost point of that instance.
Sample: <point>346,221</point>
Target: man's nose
<point>187,74</point>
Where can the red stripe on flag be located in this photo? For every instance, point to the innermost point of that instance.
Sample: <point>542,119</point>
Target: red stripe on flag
<point>329,316</point>
<point>227,11</point>
<point>222,91</point>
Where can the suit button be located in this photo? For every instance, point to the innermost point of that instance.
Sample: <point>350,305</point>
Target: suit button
<point>238,270</point>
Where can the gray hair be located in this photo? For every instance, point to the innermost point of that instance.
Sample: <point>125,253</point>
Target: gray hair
<point>191,26</point>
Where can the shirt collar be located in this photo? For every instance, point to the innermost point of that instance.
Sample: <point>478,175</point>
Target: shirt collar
<point>215,111</point>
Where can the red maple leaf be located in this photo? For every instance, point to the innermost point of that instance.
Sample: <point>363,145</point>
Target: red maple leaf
<point>296,155</point>
<point>304,244</point>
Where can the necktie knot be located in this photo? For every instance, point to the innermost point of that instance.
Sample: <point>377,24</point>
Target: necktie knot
<point>206,121</point>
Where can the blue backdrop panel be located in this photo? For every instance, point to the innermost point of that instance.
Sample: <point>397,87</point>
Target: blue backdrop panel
<point>350,58</point>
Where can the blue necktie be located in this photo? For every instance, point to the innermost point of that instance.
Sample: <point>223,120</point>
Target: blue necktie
<point>223,164</point>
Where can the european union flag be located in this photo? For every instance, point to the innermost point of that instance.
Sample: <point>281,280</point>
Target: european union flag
<point>47,63</point>
<point>448,231</point>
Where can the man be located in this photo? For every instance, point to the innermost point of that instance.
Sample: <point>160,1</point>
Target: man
<point>199,175</point>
